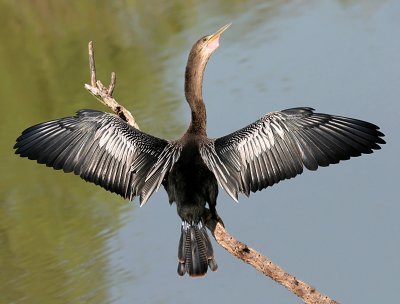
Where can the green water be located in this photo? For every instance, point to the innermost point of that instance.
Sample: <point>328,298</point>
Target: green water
<point>54,227</point>
<point>63,240</point>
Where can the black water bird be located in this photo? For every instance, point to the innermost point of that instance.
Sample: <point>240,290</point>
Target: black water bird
<point>103,149</point>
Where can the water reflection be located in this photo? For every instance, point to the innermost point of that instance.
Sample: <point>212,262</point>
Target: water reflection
<point>56,232</point>
<point>54,229</point>
<point>54,240</point>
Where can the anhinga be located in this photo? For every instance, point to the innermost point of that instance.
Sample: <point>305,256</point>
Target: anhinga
<point>103,149</point>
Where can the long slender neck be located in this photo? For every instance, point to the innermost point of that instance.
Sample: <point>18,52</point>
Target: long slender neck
<point>193,92</point>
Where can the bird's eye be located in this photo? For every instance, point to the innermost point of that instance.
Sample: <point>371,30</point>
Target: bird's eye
<point>204,39</point>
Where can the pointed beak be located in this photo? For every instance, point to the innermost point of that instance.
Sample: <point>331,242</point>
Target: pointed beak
<point>218,33</point>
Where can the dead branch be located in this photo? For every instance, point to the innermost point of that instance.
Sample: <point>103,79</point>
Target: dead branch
<point>103,94</point>
<point>264,265</point>
<point>240,250</point>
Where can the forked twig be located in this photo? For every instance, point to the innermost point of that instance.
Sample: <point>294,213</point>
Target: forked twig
<point>240,250</point>
<point>103,94</point>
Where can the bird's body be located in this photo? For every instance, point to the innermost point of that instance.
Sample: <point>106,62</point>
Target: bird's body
<point>104,149</point>
<point>191,185</point>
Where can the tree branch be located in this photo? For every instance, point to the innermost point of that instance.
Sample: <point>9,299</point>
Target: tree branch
<point>103,94</point>
<point>264,265</point>
<point>240,250</point>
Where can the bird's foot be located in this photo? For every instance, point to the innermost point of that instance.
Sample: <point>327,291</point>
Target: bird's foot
<point>213,214</point>
<point>219,220</point>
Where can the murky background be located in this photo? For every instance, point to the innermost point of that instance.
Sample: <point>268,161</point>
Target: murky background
<point>66,241</point>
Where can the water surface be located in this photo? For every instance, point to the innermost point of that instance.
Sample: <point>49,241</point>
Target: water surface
<point>63,240</point>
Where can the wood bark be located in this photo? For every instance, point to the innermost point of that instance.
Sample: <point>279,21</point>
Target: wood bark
<point>238,249</point>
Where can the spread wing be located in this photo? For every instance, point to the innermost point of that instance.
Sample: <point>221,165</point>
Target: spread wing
<point>280,144</point>
<point>103,149</point>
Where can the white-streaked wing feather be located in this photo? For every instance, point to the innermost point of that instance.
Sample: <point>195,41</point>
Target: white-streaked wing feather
<point>103,149</point>
<point>280,144</point>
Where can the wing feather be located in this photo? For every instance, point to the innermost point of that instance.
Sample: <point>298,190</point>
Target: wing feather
<point>280,144</point>
<point>103,149</point>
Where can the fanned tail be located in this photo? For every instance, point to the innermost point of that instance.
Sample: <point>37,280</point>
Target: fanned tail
<point>195,252</point>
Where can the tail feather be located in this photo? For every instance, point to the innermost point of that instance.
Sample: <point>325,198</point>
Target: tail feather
<point>195,252</point>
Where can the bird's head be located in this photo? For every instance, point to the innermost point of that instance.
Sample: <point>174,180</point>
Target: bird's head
<point>206,45</point>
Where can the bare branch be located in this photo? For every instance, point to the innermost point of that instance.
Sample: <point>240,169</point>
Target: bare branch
<point>264,265</point>
<point>112,84</point>
<point>92,67</point>
<point>103,94</point>
<point>240,250</point>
